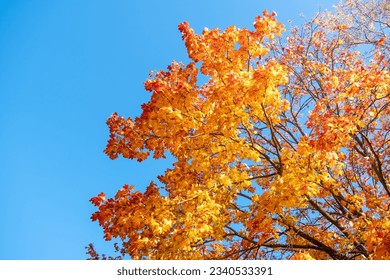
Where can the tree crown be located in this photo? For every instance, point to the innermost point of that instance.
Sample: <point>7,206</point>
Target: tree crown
<point>282,151</point>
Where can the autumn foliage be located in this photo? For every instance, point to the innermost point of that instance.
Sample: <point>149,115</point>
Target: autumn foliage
<point>280,145</point>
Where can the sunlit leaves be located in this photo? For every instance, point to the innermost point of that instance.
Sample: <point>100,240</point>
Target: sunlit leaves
<point>281,149</point>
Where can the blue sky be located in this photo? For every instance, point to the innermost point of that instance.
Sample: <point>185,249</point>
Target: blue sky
<point>65,66</point>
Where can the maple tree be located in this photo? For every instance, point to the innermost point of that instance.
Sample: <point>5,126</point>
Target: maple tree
<point>282,153</point>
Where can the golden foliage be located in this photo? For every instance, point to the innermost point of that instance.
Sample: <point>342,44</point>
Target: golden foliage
<point>283,152</point>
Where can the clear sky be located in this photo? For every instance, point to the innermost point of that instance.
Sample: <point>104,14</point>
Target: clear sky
<point>65,66</point>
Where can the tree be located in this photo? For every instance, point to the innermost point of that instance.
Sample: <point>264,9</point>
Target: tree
<point>283,152</point>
